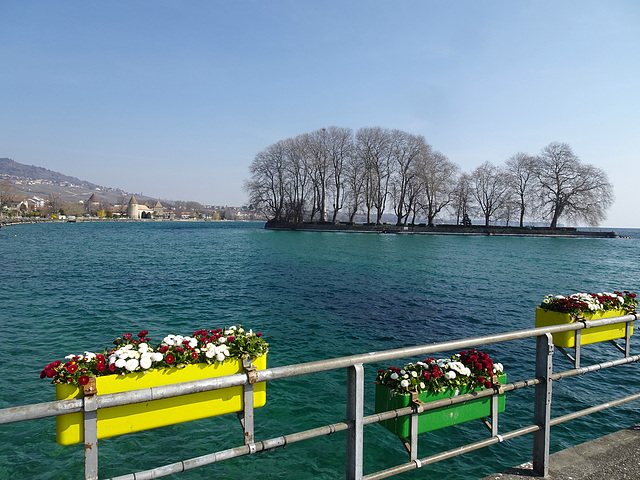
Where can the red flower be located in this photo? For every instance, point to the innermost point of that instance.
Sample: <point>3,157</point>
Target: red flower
<point>127,336</point>
<point>426,376</point>
<point>194,355</point>
<point>143,334</point>
<point>487,384</point>
<point>51,373</point>
<point>100,357</point>
<point>258,334</point>
<point>101,367</point>
<point>164,348</point>
<point>71,367</point>
<point>231,339</point>
<point>112,367</point>
<point>170,359</point>
<point>83,380</point>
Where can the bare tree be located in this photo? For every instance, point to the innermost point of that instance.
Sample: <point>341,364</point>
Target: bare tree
<point>267,186</point>
<point>373,146</point>
<point>355,180</point>
<point>570,188</point>
<point>406,149</point>
<point>299,178</point>
<point>340,146</point>
<point>488,188</point>
<point>318,148</point>
<point>53,203</point>
<point>462,198</point>
<point>438,177</point>
<point>7,192</point>
<point>509,207</point>
<point>521,177</point>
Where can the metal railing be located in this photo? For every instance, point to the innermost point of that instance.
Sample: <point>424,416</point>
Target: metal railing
<point>355,420</point>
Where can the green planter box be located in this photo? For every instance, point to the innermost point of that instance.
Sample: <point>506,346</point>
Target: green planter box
<point>434,419</point>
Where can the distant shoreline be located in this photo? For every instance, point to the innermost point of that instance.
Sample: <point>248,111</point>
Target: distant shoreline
<point>423,229</point>
<point>420,229</point>
<point>5,222</point>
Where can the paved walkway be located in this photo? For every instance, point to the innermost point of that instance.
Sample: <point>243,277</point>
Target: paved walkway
<point>613,457</point>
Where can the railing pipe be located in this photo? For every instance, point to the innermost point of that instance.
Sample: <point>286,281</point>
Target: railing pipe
<point>52,409</point>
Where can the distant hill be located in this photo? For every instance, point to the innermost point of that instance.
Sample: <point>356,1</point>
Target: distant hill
<point>30,181</point>
<point>20,170</point>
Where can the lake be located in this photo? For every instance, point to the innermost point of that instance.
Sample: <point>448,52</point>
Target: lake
<point>69,287</point>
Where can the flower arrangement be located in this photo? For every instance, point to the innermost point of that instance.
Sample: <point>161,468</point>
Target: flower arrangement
<point>138,354</point>
<point>580,303</point>
<point>470,368</point>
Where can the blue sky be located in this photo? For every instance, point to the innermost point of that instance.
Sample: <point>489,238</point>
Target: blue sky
<point>173,99</point>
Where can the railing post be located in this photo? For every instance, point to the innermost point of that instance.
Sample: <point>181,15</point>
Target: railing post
<point>90,425</point>
<point>627,339</point>
<point>542,407</point>
<point>246,415</point>
<point>355,410</point>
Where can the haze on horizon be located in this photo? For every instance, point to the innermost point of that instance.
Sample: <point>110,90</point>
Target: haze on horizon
<point>174,99</point>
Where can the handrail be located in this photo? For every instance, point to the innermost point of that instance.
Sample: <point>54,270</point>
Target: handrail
<point>355,395</point>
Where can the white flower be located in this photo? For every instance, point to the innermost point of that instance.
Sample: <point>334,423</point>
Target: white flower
<point>210,353</point>
<point>457,366</point>
<point>394,376</point>
<point>422,385</point>
<point>450,375</point>
<point>193,342</point>
<point>414,374</point>
<point>131,364</point>
<point>143,347</point>
<point>145,361</point>
<point>156,357</point>
<point>120,363</point>
<point>404,383</point>
<point>222,340</point>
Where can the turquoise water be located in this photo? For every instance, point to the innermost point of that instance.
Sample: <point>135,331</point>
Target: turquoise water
<point>74,287</point>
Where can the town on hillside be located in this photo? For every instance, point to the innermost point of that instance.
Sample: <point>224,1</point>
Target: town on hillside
<point>13,205</point>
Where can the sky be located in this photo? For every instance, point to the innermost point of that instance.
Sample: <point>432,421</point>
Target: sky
<point>173,99</point>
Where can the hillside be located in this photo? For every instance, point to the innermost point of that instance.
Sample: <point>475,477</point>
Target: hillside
<point>30,181</point>
<point>12,168</point>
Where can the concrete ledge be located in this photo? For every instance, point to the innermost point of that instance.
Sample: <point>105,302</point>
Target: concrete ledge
<point>613,457</point>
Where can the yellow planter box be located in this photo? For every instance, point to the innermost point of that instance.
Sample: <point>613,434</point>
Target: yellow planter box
<point>158,413</point>
<point>546,318</point>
